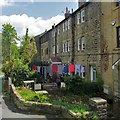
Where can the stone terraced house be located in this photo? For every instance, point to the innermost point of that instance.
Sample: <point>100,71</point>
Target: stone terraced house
<point>89,36</point>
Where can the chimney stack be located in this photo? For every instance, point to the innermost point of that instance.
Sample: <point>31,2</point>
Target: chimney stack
<point>67,14</point>
<point>53,25</point>
<point>81,3</point>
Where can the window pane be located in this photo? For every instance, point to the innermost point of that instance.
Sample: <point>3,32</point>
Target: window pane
<point>118,37</point>
<point>63,47</point>
<point>118,2</point>
<point>69,23</point>
<point>94,73</point>
<point>79,44</point>
<point>78,18</point>
<point>83,43</point>
<point>82,15</point>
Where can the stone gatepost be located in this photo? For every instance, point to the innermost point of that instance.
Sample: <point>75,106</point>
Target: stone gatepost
<point>100,106</point>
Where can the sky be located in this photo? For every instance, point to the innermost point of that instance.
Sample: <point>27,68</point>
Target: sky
<point>35,15</point>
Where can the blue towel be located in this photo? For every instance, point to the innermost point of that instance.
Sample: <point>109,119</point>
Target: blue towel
<point>66,68</point>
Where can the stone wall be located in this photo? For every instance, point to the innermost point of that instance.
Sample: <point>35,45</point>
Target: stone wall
<point>44,108</point>
<point>100,106</point>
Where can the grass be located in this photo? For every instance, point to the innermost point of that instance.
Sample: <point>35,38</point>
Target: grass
<point>77,108</point>
<point>30,95</point>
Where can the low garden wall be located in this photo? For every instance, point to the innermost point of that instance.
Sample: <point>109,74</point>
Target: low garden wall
<point>44,108</point>
<point>96,103</point>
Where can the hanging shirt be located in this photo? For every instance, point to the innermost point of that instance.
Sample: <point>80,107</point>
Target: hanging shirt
<point>66,68</point>
<point>82,69</point>
<point>77,69</point>
<point>50,70</point>
<point>54,68</point>
<point>45,72</point>
<point>47,69</point>
<point>38,69</point>
<point>60,69</point>
<point>71,68</point>
<point>35,67</point>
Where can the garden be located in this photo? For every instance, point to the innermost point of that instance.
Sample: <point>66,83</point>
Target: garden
<point>72,98</point>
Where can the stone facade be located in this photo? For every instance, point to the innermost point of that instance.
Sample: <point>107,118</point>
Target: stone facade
<point>88,37</point>
<point>110,53</point>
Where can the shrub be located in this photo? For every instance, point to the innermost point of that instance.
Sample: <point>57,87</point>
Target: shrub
<point>79,86</point>
<point>20,72</point>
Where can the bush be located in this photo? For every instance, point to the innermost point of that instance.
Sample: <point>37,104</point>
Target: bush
<point>79,86</point>
<point>20,72</point>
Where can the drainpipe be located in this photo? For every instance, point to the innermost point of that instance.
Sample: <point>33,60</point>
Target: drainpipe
<point>55,41</point>
<point>40,49</point>
<point>73,37</point>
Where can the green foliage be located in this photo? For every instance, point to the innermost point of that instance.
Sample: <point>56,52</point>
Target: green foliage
<point>16,59</point>
<point>95,116</point>
<point>79,86</point>
<point>29,95</point>
<point>20,72</point>
<point>7,68</point>
<point>74,107</point>
<point>27,49</point>
<point>9,41</point>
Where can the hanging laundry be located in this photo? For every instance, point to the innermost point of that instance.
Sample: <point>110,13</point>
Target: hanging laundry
<point>54,68</point>
<point>60,69</point>
<point>71,68</point>
<point>77,69</point>
<point>35,67</point>
<point>82,69</point>
<point>38,69</point>
<point>41,70</point>
<point>66,68</point>
<point>47,69</point>
<point>45,72</point>
<point>50,70</point>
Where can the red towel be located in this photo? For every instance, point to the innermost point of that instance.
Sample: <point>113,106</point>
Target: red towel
<point>54,68</point>
<point>35,67</point>
<point>71,68</point>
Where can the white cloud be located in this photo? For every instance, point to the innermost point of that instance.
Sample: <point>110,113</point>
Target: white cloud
<point>5,2</point>
<point>36,25</point>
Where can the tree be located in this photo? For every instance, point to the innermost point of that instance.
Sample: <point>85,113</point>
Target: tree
<point>9,42</point>
<point>0,51</point>
<point>17,58</point>
<point>28,48</point>
<point>9,48</point>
